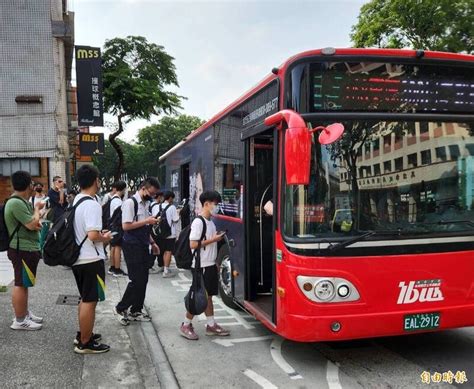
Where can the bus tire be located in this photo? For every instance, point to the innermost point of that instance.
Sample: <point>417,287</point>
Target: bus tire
<point>225,277</point>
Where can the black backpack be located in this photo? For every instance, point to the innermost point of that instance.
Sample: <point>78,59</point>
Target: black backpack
<point>183,254</point>
<point>115,222</point>
<point>106,212</point>
<point>60,247</point>
<point>5,238</point>
<point>162,230</point>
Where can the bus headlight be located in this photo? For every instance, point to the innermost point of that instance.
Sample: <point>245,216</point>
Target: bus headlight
<point>343,291</point>
<point>327,289</point>
<point>324,290</point>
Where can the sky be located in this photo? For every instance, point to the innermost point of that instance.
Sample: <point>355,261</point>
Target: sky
<point>221,47</point>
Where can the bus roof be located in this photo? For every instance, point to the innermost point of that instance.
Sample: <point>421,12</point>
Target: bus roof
<point>321,52</point>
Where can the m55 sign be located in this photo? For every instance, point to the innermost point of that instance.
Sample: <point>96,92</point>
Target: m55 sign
<point>89,86</point>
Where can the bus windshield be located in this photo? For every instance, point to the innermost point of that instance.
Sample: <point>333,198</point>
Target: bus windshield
<point>401,176</point>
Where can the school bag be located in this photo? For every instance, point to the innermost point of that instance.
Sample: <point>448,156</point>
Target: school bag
<point>106,211</point>
<point>5,238</point>
<point>115,222</point>
<point>196,299</point>
<point>60,247</point>
<point>183,254</point>
<point>162,230</point>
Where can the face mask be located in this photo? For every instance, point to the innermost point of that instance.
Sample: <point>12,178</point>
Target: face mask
<point>39,190</point>
<point>215,210</point>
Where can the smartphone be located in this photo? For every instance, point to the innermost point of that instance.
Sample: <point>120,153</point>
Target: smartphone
<point>114,233</point>
<point>45,199</point>
<point>221,232</point>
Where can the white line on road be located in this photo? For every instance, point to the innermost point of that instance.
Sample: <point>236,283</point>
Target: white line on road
<point>275,351</point>
<point>259,380</point>
<point>232,342</point>
<point>234,314</point>
<point>332,376</point>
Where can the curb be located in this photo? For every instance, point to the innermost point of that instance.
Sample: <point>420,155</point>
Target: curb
<point>164,371</point>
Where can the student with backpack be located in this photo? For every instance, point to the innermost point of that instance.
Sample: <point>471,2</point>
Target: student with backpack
<point>20,236</point>
<point>155,211</point>
<point>137,224</point>
<point>207,245</point>
<point>113,219</point>
<point>89,269</point>
<point>169,217</point>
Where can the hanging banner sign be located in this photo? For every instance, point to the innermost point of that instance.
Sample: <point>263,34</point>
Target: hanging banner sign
<point>89,86</point>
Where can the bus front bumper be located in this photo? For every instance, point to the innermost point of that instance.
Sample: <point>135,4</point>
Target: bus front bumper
<point>345,327</point>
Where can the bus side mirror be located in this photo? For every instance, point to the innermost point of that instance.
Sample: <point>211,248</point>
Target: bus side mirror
<point>298,143</point>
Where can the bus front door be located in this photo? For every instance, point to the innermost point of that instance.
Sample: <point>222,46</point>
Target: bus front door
<point>259,222</point>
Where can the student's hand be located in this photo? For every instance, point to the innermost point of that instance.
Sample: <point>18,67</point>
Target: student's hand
<point>106,236</point>
<point>40,205</point>
<point>217,237</point>
<point>38,226</point>
<point>151,220</point>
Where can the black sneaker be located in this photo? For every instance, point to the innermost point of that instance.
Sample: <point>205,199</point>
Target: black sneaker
<point>111,270</point>
<point>119,273</point>
<point>95,338</point>
<point>91,348</point>
<point>139,316</point>
<point>122,317</point>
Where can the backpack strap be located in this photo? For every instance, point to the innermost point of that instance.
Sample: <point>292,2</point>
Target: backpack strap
<point>74,209</point>
<point>153,206</point>
<point>135,207</point>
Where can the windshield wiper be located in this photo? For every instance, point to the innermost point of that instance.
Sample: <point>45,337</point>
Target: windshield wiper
<point>338,246</point>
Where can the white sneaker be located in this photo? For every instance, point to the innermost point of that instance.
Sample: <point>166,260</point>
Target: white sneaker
<point>169,274</point>
<point>26,325</point>
<point>34,318</point>
<point>154,270</point>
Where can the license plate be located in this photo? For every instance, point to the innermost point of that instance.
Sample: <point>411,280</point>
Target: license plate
<point>421,321</point>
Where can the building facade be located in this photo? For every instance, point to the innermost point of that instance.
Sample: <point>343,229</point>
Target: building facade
<point>36,52</point>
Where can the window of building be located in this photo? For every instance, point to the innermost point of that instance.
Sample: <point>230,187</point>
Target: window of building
<point>387,141</point>
<point>30,165</point>
<point>377,169</point>
<point>387,167</point>
<point>424,128</point>
<point>470,148</point>
<point>411,130</point>
<point>441,153</point>
<point>399,163</point>
<point>412,160</point>
<point>376,144</point>
<point>454,152</point>
<point>426,157</point>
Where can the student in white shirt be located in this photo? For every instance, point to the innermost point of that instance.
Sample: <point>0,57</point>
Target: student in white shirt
<point>116,244</point>
<point>209,201</point>
<point>167,244</point>
<point>89,269</point>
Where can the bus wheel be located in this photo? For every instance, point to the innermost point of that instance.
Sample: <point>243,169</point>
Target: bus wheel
<point>225,277</point>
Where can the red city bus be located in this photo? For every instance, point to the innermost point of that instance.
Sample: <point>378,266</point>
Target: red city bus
<point>347,183</point>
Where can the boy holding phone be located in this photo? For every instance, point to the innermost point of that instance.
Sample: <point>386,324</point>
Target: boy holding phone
<point>209,201</point>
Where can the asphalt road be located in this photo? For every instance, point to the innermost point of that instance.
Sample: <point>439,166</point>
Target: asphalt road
<point>254,357</point>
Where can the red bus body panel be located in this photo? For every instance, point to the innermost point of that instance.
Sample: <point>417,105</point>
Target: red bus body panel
<point>377,279</point>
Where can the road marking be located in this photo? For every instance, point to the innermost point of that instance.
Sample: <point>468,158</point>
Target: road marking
<point>232,342</point>
<point>275,351</point>
<point>259,380</point>
<point>332,376</point>
<point>235,315</point>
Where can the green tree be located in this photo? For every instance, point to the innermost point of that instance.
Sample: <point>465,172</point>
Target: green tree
<point>158,138</point>
<point>136,164</point>
<point>135,75</point>
<point>443,25</point>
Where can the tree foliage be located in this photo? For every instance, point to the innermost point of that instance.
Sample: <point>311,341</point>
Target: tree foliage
<point>136,74</point>
<point>443,25</point>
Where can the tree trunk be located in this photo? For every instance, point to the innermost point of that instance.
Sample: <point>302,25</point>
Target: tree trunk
<point>118,149</point>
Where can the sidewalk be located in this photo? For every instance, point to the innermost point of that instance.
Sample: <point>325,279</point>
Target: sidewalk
<point>46,358</point>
